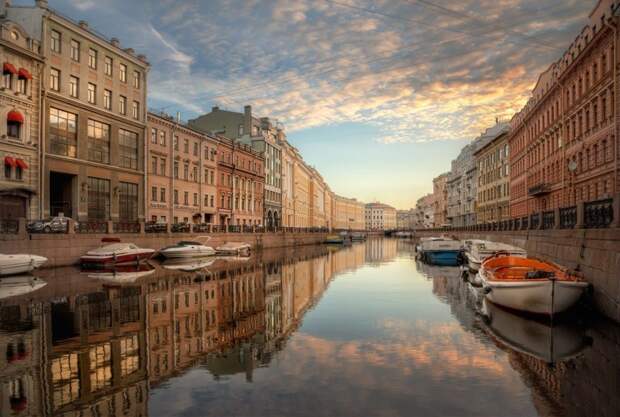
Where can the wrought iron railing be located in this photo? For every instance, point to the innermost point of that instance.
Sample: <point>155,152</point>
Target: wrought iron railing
<point>126,227</point>
<point>548,219</point>
<point>597,214</point>
<point>568,217</point>
<point>180,228</point>
<point>524,223</point>
<point>155,227</point>
<point>92,227</point>
<point>200,228</point>
<point>9,227</point>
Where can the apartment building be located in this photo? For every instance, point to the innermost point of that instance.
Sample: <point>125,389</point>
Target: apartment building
<point>440,200</point>
<point>182,172</point>
<point>493,199</point>
<point>379,216</point>
<point>349,214</point>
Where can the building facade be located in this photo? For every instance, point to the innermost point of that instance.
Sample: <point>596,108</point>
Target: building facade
<point>20,95</point>
<point>493,201</point>
<point>463,179</point>
<point>406,219</point>
<point>182,173</point>
<point>264,137</point>
<point>93,119</point>
<point>440,200</point>
<point>240,184</point>
<point>379,216</point>
<point>425,212</point>
<point>564,142</point>
<point>349,214</point>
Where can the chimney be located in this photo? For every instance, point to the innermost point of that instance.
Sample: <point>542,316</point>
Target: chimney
<point>83,24</point>
<point>247,120</point>
<point>115,42</point>
<point>214,109</point>
<point>41,4</point>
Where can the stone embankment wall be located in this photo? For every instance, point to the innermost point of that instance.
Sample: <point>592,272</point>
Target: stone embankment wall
<point>65,249</point>
<point>594,252</point>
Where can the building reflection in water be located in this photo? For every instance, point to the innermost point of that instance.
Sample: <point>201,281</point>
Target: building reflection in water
<point>81,347</point>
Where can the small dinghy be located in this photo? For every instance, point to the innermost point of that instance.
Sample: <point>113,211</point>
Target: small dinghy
<point>477,251</point>
<point>19,263</point>
<point>530,285</point>
<point>116,254</point>
<point>187,249</point>
<point>234,248</point>
<point>20,285</point>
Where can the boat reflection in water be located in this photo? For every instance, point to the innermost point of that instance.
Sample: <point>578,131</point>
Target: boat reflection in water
<point>189,341</point>
<point>543,340</point>
<point>16,285</point>
<point>120,275</point>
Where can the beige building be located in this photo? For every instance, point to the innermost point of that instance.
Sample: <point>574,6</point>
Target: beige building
<point>425,212</point>
<point>440,199</point>
<point>182,173</point>
<point>405,219</point>
<point>492,160</point>
<point>379,216</point>
<point>348,213</point>
<point>20,111</point>
<point>93,117</point>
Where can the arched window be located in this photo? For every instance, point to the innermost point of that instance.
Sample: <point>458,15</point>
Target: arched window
<point>14,121</point>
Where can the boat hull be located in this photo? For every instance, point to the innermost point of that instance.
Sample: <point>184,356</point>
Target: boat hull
<point>545,297</point>
<point>442,257</point>
<point>193,253</point>
<point>19,264</point>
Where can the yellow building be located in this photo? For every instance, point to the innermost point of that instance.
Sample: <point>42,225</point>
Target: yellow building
<point>493,181</point>
<point>348,213</point>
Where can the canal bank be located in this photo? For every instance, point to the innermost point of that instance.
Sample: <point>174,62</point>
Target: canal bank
<point>65,249</point>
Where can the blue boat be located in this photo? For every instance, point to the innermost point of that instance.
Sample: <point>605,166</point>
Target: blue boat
<point>440,251</point>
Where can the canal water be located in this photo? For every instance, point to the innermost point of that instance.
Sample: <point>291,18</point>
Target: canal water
<point>364,330</point>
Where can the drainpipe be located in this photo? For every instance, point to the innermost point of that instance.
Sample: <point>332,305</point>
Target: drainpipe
<point>42,102</point>
<point>614,27</point>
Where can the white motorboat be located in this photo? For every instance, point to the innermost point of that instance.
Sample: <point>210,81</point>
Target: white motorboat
<point>234,248</point>
<point>19,285</point>
<point>189,265</point>
<point>123,275</point>
<point>530,285</point>
<point>476,251</point>
<point>20,263</point>
<point>116,254</point>
<point>550,343</point>
<point>187,249</point>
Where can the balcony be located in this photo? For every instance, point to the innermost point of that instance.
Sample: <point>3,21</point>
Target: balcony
<point>538,190</point>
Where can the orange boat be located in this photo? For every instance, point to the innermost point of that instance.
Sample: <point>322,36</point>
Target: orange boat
<point>529,284</point>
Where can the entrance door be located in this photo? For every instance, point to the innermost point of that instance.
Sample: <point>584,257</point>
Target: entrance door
<point>61,194</point>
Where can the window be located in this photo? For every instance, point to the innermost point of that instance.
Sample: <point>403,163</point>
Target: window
<point>176,170</point>
<point>128,149</point>
<point>162,167</point>
<point>18,173</point>
<point>21,85</point>
<point>195,174</point>
<point>186,198</point>
<point>153,193</point>
<point>98,142</point>
<point>128,201</point>
<point>195,199</point>
<point>122,73</point>
<point>107,99</point>
<point>55,40</point>
<point>92,93</point>
<point>7,171</point>
<point>7,78</point>
<point>13,129</point>
<point>154,165</point>
<point>92,58</point>
<point>74,85</point>
<point>63,132</point>
<point>162,195</point>
<point>107,66</point>
<point>162,138</point>
<point>136,79</point>
<point>176,198</point>
<point>195,148</point>
<point>185,171</point>
<point>122,105</point>
<point>186,146</point>
<point>98,198</point>
<point>75,50</point>
<point>135,110</point>
<point>153,135</point>
<point>54,79</point>
<point>176,142</point>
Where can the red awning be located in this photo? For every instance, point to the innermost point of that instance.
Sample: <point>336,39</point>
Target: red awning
<point>24,73</point>
<point>15,116</point>
<point>21,163</point>
<point>8,68</point>
<point>10,161</point>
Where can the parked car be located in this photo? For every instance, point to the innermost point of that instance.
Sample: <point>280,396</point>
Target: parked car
<point>155,227</point>
<point>181,227</point>
<point>51,225</point>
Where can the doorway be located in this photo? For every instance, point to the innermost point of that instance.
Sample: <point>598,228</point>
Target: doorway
<point>61,194</point>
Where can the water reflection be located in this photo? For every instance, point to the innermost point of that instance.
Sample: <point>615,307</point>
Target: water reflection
<point>276,334</point>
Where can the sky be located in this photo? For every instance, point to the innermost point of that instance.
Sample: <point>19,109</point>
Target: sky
<point>378,95</point>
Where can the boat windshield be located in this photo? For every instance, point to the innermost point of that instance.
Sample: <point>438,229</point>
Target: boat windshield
<point>189,243</point>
